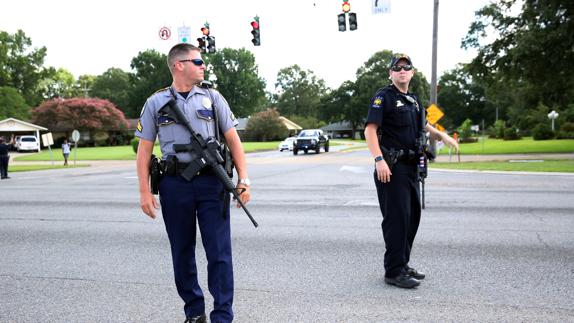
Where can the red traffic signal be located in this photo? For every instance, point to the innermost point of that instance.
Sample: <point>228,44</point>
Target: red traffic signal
<point>346,6</point>
<point>205,31</point>
<point>256,32</point>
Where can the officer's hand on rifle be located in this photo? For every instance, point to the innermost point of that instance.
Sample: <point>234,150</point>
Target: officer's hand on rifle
<point>148,203</point>
<point>244,193</point>
<point>383,171</point>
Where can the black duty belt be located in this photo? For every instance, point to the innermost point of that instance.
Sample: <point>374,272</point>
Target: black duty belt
<point>406,156</point>
<point>182,166</point>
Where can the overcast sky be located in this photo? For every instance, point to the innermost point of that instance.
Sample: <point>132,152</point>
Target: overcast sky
<point>88,37</point>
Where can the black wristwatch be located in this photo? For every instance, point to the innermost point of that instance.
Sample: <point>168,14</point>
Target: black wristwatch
<point>378,158</point>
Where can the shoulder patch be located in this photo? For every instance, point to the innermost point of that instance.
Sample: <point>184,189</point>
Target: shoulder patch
<point>377,102</point>
<point>139,126</point>
<point>161,90</point>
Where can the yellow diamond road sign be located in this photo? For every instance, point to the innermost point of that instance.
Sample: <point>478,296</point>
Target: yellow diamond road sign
<point>439,127</point>
<point>434,114</point>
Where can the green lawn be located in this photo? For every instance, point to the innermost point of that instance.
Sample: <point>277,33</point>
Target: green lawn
<point>563,166</point>
<point>525,145</point>
<point>124,152</point>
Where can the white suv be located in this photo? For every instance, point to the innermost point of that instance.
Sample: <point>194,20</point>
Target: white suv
<point>27,143</point>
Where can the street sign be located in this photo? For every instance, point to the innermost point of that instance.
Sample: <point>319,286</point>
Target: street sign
<point>75,135</point>
<point>164,33</point>
<point>434,114</point>
<point>439,127</point>
<point>381,6</point>
<point>184,34</point>
<point>47,139</point>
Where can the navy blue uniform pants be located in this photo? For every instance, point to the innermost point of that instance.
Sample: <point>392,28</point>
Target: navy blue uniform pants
<point>183,205</point>
<point>401,210</point>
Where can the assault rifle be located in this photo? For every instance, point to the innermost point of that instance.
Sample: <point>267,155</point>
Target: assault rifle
<point>422,147</point>
<point>207,152</point>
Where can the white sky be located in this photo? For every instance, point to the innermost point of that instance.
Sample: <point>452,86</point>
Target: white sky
<point>88,37</point>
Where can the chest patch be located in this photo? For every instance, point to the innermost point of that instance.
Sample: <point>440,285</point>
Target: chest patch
<point>206,102</point>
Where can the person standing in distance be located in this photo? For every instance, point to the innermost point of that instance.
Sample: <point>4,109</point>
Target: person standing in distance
<point>200,200</point>
<point>4,158</point>
<point>66,151</point>
<point>393,124</point>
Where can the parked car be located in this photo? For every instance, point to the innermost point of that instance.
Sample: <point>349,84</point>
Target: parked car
<point>287,144</point>
<point>27,143</point>
<point>311,139</point>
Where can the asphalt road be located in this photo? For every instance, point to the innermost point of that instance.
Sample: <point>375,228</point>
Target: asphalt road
<point>74,247</point>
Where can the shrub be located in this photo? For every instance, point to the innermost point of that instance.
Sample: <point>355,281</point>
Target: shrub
<point>266,126</point>
<point>566,131</point>
<point>511,134</point>
<point>542,131</point>
<point>135,143</point>
<point>464,132</point>
<point>497,130</point>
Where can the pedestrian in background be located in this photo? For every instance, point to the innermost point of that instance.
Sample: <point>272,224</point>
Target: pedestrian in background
<point>199,201</point>
<point>392,128</point>
<point>4,158</point>
<point>66,151</point>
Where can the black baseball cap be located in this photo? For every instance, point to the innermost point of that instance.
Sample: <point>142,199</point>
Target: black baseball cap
<point>397,57</point>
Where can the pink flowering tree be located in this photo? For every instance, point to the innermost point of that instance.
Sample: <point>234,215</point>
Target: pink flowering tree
<point>100,118</point>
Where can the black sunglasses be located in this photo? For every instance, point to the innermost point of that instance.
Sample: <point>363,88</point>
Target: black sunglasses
<point>398,68</point>
<point>195,61</point>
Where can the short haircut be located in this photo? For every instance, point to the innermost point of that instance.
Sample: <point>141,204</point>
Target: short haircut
<point>179,52</point>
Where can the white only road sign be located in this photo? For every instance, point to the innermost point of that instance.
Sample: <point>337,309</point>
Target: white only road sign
<point>381,6</point>
<point>184,34</point>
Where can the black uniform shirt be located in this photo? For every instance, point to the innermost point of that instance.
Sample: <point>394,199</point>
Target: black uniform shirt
<point>4,149</point>
<point>398,118</point>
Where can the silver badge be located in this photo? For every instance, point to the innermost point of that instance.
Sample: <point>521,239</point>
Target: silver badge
<point>399,103</point>
<point>206,102</point>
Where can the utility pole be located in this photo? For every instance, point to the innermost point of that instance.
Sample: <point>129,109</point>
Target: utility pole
<point>433,94</point>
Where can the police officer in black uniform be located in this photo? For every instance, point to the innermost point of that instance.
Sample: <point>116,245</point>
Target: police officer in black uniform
<point>201,200</point>
<point>392,126</point>
<point>4,158</point>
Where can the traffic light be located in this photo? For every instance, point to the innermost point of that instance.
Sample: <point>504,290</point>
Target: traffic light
<point>201,45</point>
<point>205,30</point>
<point>256,32</point>
<point>211,44</point>
<point>352,21</point>
<point>342,22</point>
<point>346,6</point>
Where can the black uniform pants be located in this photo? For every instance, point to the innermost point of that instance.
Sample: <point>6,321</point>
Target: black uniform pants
<point>401,210</point>
<point>4,166</point>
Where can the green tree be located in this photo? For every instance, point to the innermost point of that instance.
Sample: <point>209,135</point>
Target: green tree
<point>462,98</point>
<point>151,74</point>
<point>12,104</point>
<point>266,125</point>
<point>300,91</point>
<point>238,80</point>
<point>517,62</point>
<point>114,85</point>
<point>22,67</point>
<point>61,84</point>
